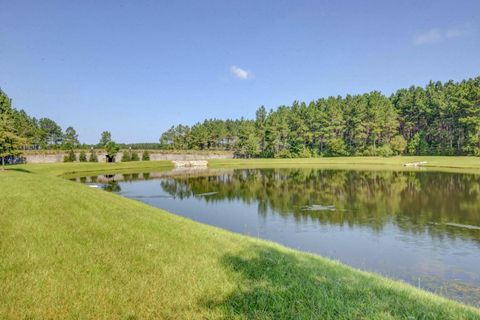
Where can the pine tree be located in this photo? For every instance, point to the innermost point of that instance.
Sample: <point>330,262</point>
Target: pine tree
<point>105,138</point>
<point>70,156</point>
<point>126,156</point>
<point>70,139</point>
<point>93,156</point>
<point>134,156</point>
<point>83,156</point>
<point>10,141</point>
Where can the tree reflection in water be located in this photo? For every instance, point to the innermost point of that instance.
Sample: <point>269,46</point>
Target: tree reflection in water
<point>415,201</point>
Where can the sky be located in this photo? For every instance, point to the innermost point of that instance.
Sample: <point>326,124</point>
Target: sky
<point>137,67</point>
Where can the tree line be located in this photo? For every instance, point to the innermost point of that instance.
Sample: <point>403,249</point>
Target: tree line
<point>19,132</point>
<point>438,119</point>
<point>35,134</point>
<point>46,134</point>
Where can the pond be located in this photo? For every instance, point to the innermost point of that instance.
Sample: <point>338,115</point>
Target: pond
<point>418,226</point>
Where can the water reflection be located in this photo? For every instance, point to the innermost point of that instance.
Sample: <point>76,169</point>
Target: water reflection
<point>440,203</point>
<point>422,227</point>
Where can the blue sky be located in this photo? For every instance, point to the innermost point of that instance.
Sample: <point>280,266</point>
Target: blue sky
<point>137,67</point>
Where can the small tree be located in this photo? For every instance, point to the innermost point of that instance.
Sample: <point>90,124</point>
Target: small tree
<point>70,139</point>
<point>134,157</point>
<point>112,149</point>
<point>146,155</point>
<point>337,147</point>
<point>93,156</point>
<point>385,151</point>
<point>70,156</point>
<point>417,145</point>
<point>105,138</point>
<point>10,142</point>
<point>127,156</point>
<point>82,157</point>
<point>398,144</point>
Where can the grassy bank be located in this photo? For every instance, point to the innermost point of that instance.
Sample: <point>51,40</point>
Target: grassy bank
<point>454,164</point>
<point>70,251</point>
<point>87,168</point>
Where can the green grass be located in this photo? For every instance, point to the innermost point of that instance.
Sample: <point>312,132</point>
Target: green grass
<point>71,169</point>
<point>68,251</point>
<point>453,164</point>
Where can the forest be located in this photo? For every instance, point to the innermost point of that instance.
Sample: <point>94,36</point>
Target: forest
<point>20,131</point>
<point>438,119</point>
<point>26,132</point>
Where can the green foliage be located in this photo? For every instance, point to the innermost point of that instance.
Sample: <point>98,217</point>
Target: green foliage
<point>248,142</point>
<point>36,134</point>
<point>93,156</point>
<point>112,149</point>
<point>70,156</point>
<point>418,145</point>
<point>51,133</point>
<point>70,139</point>
<point>146,155</point>
<point>82,156</point>
<point>336,147</point>
<point>440,119</point>
<point>10,141</point>
<point>134,156</point>
<point>385,151</point>
<point>105,138</point>
<point>398,144</point>
<point>126,156</point>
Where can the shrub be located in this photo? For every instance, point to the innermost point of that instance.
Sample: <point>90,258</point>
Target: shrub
<point>126,156</point>
<point>134,157</point>
<point>398,144</point>
<point>70,157</point>
<point>146,155</point>
<point>385,151</point>
<point>369,152</point>
<point>337,147</point>
<point>93,156</point>
<point>285,153</point>
<point>418,145</point>
<point>306,153</point>
<point>82,157</point>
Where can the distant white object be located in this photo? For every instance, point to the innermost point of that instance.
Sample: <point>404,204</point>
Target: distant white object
<point>415,164</point>
<point>93,186</point>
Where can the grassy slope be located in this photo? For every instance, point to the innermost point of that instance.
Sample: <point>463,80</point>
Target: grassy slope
<point>70,251</point>
<point>87,168</point>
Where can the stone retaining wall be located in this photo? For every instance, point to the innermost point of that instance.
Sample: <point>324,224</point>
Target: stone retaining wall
<point>58,157</point>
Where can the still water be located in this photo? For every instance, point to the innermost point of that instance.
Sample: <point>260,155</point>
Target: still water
<point>418,226</point>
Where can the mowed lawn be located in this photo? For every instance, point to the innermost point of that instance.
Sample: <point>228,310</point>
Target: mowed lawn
<point>68,251</point>
<point>440,163</point>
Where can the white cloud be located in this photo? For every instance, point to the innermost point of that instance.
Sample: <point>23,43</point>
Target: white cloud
<point>240,73</point>
<point>430,36</point>
<point>455,32</point>
<point>438,35</point>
